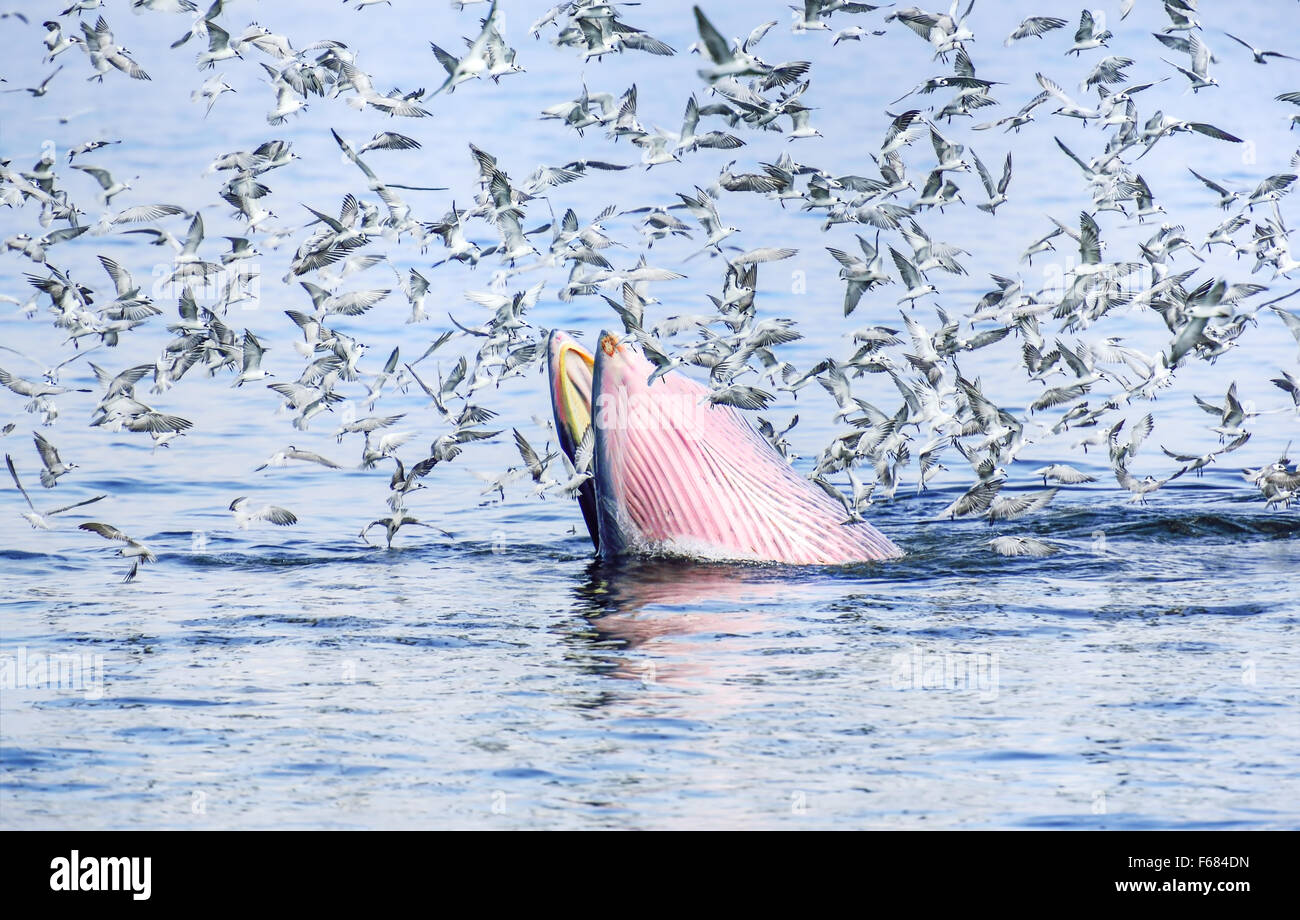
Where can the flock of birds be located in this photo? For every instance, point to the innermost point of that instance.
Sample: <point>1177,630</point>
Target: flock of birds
<point>943,413</point>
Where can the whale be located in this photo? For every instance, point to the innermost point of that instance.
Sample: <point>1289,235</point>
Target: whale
<point>674,475</point>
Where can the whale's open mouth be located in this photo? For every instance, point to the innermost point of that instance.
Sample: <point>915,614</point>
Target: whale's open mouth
<point>572,371</point>
<point>676,475</point>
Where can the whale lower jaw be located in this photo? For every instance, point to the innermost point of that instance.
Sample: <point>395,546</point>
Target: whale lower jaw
<point>694,549</point>
<point>623,537</point>
<point>676,476</point>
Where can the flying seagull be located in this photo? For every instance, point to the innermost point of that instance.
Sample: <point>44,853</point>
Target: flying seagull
<point>39,520</point>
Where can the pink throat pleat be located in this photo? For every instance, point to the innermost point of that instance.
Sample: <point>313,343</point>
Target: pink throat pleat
<point>688,478</point>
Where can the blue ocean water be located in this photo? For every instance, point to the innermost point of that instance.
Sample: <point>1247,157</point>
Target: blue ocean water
<point>1142,677</point>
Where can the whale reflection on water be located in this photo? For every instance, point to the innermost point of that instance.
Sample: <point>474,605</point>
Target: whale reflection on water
<point>677,622</point>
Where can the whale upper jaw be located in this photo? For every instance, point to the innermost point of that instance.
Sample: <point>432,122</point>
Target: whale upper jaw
<point>675,475</point>
<point>571,376</point>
